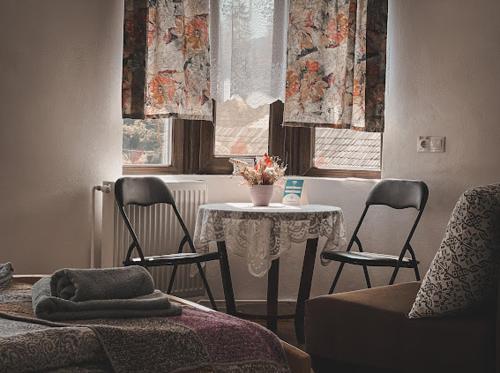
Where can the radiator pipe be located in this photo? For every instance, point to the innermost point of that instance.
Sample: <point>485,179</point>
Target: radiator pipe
<point>95,188</point>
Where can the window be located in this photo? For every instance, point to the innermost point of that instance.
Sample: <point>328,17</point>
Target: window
<point>341,149</point>
<point>248,59</point>
<point>167,146</point>
<point>240,129</point>
<point>153,146</point>
<point>147,142</point>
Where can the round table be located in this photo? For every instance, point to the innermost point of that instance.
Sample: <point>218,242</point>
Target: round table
<point>262,235</point>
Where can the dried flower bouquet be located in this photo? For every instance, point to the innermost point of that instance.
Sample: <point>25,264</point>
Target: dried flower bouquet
<point>266,171</point>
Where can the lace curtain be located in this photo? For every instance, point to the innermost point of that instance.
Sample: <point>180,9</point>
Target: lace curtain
<point>248,50</point>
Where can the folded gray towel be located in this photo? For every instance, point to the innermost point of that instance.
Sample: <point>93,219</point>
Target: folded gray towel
<point>48,307</point>
<point>6,272</point>
<point>108,283</point>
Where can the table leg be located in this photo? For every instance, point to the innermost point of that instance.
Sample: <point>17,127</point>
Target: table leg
<point>227,284</point>
<point>305,287</point>
<point>272,295</point>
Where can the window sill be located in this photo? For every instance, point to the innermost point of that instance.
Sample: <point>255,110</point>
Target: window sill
<point>150,170</point>
<point>202,177</point>
<point>363,174</point>
<point>223,170</point>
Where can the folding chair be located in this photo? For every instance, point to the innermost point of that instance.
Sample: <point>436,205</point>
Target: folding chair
<point>149,191</point>
<point>397,194</point>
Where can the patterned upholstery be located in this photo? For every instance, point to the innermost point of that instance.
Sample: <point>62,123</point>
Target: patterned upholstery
<point>6,272</point>
<point>462,275</point>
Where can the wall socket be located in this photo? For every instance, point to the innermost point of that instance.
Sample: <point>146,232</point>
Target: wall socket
<point>431,144</point>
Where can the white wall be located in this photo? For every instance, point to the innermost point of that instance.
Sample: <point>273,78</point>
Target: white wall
<point>443,80</point>
<point>60,123</point>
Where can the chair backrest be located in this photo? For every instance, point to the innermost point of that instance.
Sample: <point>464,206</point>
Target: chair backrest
<point>399,194</point>
<point>146,191</point>
<point>143,191</point>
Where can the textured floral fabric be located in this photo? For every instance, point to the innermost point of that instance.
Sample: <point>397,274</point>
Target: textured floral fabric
<point>463,274</point>
<point>166,61</point>
<point>336,64</point>
<point>6,272</point>
<point>263,234</point>
<point>196,341</point>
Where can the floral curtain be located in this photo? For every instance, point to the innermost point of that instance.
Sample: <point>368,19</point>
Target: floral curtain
<point>166,60</point>
<point>336,64</point>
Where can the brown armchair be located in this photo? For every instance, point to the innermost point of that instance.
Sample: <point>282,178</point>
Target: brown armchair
<point>369,331</point>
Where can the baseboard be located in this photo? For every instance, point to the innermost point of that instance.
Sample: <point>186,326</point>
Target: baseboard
<point>253,306</point>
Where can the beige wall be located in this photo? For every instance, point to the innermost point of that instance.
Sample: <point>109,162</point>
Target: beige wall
<point>60,129</point>
<point>60,71</point>
<point>443,79</point>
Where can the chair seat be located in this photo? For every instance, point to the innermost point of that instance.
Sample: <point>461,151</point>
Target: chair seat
<point>367,258</point>
<point>173,259</point>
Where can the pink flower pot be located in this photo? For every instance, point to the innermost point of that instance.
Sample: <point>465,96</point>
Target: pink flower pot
<point>261,194</point>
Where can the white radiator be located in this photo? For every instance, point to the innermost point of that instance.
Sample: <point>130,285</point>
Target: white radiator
<point>159,233</point>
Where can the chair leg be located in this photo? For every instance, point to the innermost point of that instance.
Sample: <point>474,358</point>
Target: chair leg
<point>394,274</point>
<point>227,283</point>
<point>207,287</point>
<point>172,278</point>
<point>417,273</point>
<point>367,276</point>
<point>336,279</point>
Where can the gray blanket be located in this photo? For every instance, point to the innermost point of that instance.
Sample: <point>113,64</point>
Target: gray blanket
<point>48,307</point>
<point>109,283</point>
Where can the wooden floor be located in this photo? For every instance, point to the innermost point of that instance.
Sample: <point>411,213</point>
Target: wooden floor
<point>286,331</point>
<point>286,327</point>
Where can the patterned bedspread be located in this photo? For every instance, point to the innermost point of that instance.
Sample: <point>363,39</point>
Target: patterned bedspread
<point>196,341</point>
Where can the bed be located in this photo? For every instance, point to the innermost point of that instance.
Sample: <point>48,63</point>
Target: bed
<point>30,344</point>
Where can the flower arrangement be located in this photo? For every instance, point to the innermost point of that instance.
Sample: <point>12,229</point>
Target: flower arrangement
<point>265,171</point>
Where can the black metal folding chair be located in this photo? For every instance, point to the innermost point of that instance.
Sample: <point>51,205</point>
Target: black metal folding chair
<point>397,194</point>
<point>147,191</point>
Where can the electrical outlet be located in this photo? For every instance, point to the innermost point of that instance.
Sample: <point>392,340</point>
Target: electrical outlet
<point>431,144</point>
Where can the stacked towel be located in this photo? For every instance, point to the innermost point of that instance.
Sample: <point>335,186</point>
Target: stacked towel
<point>6,272</point>
<point>79,294</point>
<point>108,283</point>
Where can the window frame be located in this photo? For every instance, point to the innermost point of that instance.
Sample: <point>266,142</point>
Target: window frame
<point>193,145</point>
<point>336,173</point>
<point>210,164</point>
<point>301,163</point>
<point>176,157</point>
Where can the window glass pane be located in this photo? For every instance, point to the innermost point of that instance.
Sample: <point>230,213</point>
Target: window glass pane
<point>147,142</point>
<point>241,129</point>
<point>344,149</point>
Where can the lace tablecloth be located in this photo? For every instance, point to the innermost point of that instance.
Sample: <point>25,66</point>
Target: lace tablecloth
<point>262,234</point>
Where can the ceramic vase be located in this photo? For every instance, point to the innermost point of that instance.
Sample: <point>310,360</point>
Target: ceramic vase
<point>261,194</point>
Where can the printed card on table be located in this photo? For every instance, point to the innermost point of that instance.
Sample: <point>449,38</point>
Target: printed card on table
<point>293,193</point>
